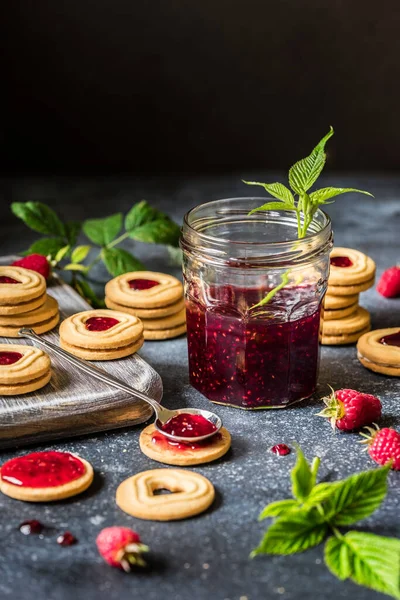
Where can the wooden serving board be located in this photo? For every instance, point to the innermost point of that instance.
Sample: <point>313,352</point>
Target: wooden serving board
<point>71,403</point>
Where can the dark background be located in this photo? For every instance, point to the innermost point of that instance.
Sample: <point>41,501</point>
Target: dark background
<point>172,86</point>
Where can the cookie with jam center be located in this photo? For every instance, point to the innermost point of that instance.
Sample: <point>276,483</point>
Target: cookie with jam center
<point>41,319</point>
<point>379,351</point>
<point>23,369</point>
<point>144,290</point>
<point>21,290</point>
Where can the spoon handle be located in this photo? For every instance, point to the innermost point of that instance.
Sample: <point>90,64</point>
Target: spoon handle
<point>90,369</point>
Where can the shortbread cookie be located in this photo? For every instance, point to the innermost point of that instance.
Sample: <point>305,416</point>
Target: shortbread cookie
<point>158,447</point>
<point>147,313</point>
<point>144,289</point>
<point>347,330</point>
<point>340,313</point>
<point>21,290</point>
<point>350,290</point>
<point>165,322</point>
<point>41,319</point>
<point>23,369</point>
<point>191,494</point>
<point>334,302</point>
<point>101,334</point>
<point>164,334</point>
<point>350,267</point>
<point>45,476</point>
<point>379,351</point>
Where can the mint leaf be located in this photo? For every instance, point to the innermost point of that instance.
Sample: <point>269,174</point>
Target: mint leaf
<point>46,246</point>
<point>324,194</point>
<point>321,492</point>
<point>72,230</point>
<point>368,559</point>
<point>302,477</point>
<point>140,214</point>
<point>161,231</point>
<point>39,217</point>
<point>272,206</point>
<point>274,291</point>
<point>84,290</point>
<point>293,533</point>
<point>119,261</point>
<point>277,190</point>
<point>61,253</point>
<point>103,231</point>
<point>304,173</point>
<point>80,253</point>
<point>357,497</point>
<point>277,509</point>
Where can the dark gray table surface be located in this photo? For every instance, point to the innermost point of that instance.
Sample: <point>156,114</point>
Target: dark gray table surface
<point>205,557</point>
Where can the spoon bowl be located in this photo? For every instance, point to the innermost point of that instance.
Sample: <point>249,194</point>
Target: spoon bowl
<point>166,415</point>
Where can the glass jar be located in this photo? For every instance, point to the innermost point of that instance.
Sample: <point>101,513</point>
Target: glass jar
<point>242,353</point>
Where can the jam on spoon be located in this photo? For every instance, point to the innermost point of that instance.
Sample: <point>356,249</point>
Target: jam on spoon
<point>391,340</point>
<point>341,261</point>
<point>6,279</point>
<point>188,425</point>
<point>42,469</point>
<point>100,323</point>
<point>281,449</point>
<point>9,358</point>
<point>142,284</point>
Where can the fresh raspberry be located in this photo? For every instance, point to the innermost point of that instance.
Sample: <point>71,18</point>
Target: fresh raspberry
<point>350,409</point>
<point>120,547</point>
<point>384,446</point>
<point>389,283</point>
<point>34,262</point>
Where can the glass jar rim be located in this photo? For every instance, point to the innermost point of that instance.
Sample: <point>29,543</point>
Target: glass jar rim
<point>221,249</point>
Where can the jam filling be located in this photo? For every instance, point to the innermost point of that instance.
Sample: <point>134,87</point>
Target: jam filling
<point>100,323</point>
<point>142,284</point>
<point>31,527</point>
<point>341,261</point>
<point>253,357</point>
<point>187,425</point>
<point>164,443</point>
<point>281,449</point>
<point>42,469</point>
<point>391,340</point>
<point>9,358</point>
<point>66,539</point>
<point>6,279</point>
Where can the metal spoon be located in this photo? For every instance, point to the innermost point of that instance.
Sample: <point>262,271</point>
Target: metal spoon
<point>162,414</point>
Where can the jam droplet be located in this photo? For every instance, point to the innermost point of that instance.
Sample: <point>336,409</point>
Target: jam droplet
<point>163,442</point>
<point>66,539</point>
<point>341,261</point>
<point>9,358</point>
<point>281,450</point>
<point>5,279</point>
<point>391,340</point>
<point>42,469</point>
<point>142,284</point>
<point>187,425</point>
<point>100,323</point>
<point>30,527</point>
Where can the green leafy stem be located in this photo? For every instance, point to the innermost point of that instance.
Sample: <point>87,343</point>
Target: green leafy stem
<point>142,223</point>
<point>318,509</point>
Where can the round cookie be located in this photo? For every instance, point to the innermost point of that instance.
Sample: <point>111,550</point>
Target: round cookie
<point>350,290</point>
<point>165,322</point>
<point>147,313</point>
<point>166,289</point>
<point>156,446</point>
<point>41,319</point>
<point>191,494</point>
<point>20,290</point>
<point>378,357</point>
<point>340,313</point>
<point>358,267</point>
<point>101,334</point>
<point>45,476</point>
<point>164,334</point>
<point>23,369</point>
<point>347,330</point>
<point>334,302</point>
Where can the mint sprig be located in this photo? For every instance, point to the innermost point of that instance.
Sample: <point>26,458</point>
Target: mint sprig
<point>302,176</point>
<point>318,509</point>
<point>142,223</point>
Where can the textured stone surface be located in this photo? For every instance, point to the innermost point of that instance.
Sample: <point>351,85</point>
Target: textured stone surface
<point>205,557</point>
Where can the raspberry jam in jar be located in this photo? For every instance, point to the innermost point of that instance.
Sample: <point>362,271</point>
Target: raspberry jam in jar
<point>244,353</point>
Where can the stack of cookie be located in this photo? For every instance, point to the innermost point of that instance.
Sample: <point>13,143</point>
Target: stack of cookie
<point>23,369</point>
<point>24,302</point>
<point>344,320</point>
<point>156,298</point>
<point>101,334</point>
